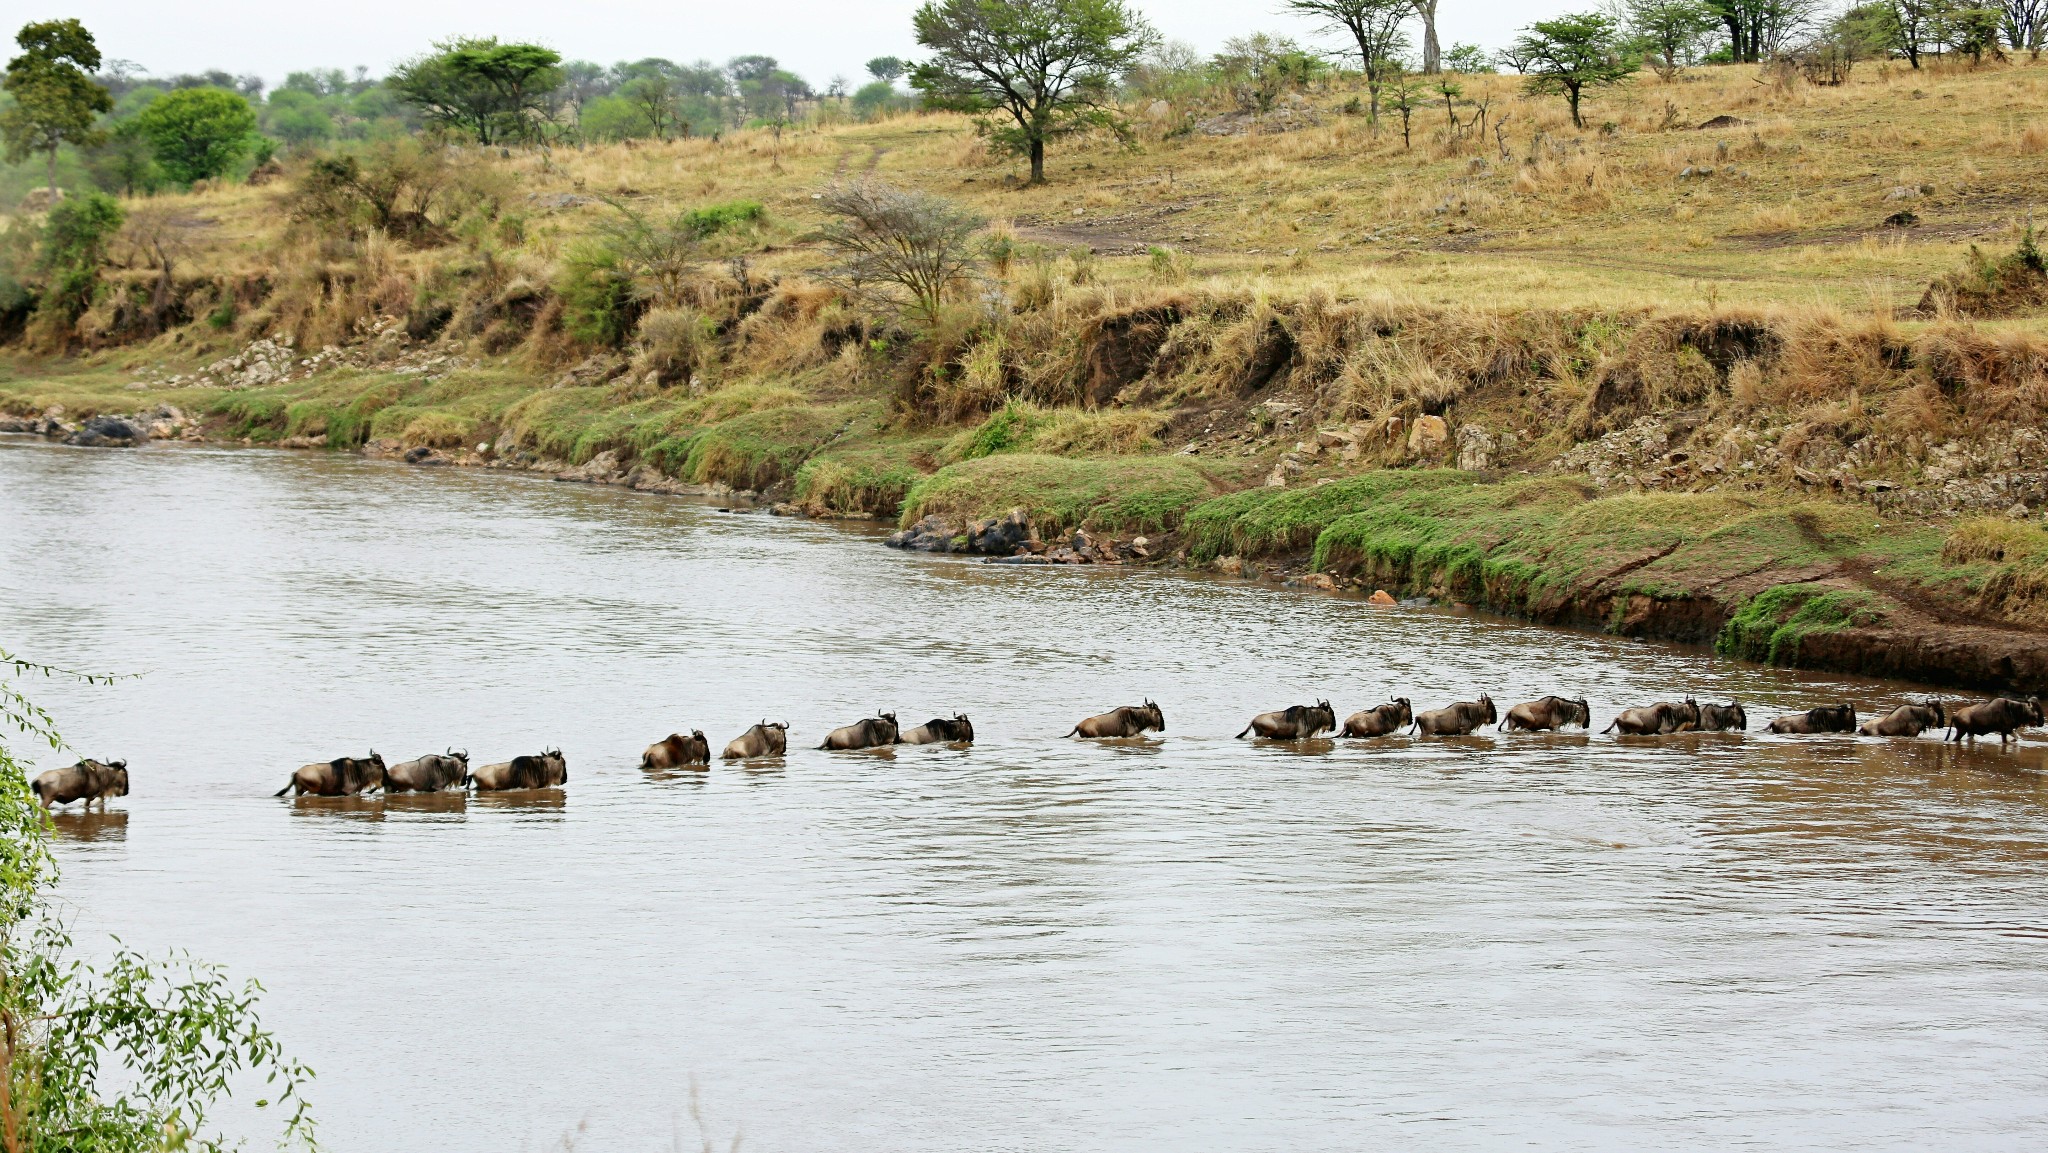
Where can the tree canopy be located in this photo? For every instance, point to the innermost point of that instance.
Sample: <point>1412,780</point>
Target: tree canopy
<point>1375,28</point>
<point>1570,54</point>
<point>56,101</point>
<point>198,133</point>
<point>481,88</point>
<point>1035,69</point>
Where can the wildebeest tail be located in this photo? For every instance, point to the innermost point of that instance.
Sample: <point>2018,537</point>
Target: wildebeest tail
<point>1075,730</point>
<point>1610,726</point>
<point>1240,736</point>
<point>287,787</point>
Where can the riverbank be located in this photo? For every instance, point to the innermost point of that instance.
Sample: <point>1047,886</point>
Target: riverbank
<point>1764,577</point>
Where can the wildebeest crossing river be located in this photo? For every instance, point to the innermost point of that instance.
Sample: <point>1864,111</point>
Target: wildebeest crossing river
<point>1189,942</point>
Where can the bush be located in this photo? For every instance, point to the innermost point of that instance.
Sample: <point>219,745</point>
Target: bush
<point>598,303</point>
<point>198,133</point>
<point>75,238</point>
<point>674,344</point>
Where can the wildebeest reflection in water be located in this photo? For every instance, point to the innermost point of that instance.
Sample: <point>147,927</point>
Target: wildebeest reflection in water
<point>549,801</point>
<point>86,825</point>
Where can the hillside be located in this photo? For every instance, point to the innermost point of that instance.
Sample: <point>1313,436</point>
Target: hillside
<point>1662,378</point>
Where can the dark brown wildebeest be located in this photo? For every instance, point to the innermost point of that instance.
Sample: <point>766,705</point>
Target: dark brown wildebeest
<point>1379,720</point>
<point>429,774</point>
<point>1825,719</point>
<point>1549,714</point>
<point>539,771</point>
<point>939,730</point>
<point>1723,718</point>
<point>763,740</point>
<point>2004,716</point>
<point>87,781</point>
<point>1658,719</point>
<point>340,777</point>
<point>1125,721</point>
<point>1293,723</point>
<point>1906,721</point>
<point>678,751</point>
<point>1458,719</point>
<point>877,730</point>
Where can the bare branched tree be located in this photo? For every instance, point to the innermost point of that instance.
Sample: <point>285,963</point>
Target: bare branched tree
<point>899,248</point>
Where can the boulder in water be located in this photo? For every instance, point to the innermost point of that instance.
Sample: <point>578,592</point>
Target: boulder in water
<point>108,432</point>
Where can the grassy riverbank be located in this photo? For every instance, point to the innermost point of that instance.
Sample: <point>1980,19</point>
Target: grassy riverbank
<point>1672,381</point>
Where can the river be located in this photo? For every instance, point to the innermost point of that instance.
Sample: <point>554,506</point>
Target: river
<point>1537,942</point>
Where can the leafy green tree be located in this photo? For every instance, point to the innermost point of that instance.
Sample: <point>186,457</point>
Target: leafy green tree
<point>1758,28</point>
<point>131,1057</point>
<point>1470,59</point>
<point>1403,97</point>
<point>1048,66</point>
<point>1867,31</point>
<point>74,245</point>
<point>1668,32</point>
<point>2026,25</point>
<point>198,133</point>
<point>56,101</point>
<point>481,88</point>
<point>1570,54</point>
<point>1971,31</point>
<point>875,98</point>
<point>297,117</point>
<point>1377,35</point>
<point>653,96</point>
<point>897,248</point>
<point>888,69</point>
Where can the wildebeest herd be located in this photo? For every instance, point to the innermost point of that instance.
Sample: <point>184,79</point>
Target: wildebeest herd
<point>91,780</point>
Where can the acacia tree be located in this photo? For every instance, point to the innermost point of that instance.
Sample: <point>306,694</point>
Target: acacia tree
<point>55,99</point>
<point>1568,55</point>
<point>1049,66</point>
<point>125,1058</point>
<point>494,92</point>
<point>198,133</point>
<point>2026,24</point>
<point>1375,27</point>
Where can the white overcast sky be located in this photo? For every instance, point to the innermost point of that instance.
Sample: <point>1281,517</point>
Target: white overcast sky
<point>816,38</point>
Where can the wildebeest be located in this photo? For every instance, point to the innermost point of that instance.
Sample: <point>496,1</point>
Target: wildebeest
<point>2003,716</point>
<point>1723,718</point>
<point>1125,721</point>
<point>763,740</point>
<point>1458,719</point>
<point>1906,721</point>
<point>429,774</point>
<point>958,730</point>
<point>1658,719</point>
<point>340,777</point>
<point>1379,720</point>
<point>879,729</point>
<point>538,771</point>
<point>1293,723</point>
<point>87,781</point>
<point>677,751</point>
<point>1825,719</point>
<point>1549,714</point>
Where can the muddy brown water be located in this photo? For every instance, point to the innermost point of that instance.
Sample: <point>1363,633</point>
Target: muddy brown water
<point>1550,942</point>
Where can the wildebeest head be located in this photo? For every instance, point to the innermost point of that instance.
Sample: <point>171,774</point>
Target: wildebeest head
<point>2033,707</point>
<point>1153,714</point>
<point>462,756</point>
<point>963,729</point>
<point>1582,713</point>
<point>1492,716</point>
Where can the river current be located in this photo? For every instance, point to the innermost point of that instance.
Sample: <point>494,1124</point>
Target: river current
<point>1187,943</point>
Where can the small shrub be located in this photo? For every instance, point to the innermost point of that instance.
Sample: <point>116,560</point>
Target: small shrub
<point>1771,626</point>
<point>438,430</point>
<point>674,344</point>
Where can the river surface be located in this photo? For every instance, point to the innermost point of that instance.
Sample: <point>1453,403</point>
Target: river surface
<point>1190,943</point>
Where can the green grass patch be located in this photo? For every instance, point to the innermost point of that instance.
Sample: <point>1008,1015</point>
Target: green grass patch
<point>759,449</point>
<point>1771,626</point>
<point>1113,494</point>
<point>860,482</point>
<point>1265,521</point>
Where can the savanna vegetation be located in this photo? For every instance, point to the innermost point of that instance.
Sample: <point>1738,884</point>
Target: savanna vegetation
<point>1656,310</point>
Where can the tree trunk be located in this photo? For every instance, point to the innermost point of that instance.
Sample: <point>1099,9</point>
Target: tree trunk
<point>53,175</point>
<point>1037,160</point>
<point>1572,94</point>
<point>1432,53</point>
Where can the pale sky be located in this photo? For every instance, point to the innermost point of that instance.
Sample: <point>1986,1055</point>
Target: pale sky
<point>818,39</point>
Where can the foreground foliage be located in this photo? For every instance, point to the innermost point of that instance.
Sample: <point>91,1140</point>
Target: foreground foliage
<point>125,1057</point>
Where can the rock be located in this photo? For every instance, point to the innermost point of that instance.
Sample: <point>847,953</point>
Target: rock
<point>1159,112</point>
<point>1003,535</point>
<point>1903,218</point>
<point>1278,477</point>
<point>1228,565</point>
<point>932,534</point>
<point>426,456</point>
<point>1319,580</point>
<point>108,432</point>
<point>1902,192</point>
<point>1380,597</point>
<point>1475,448</point>
<point>1428,436</point>
<point>1723,121</point>
<point>600,469</point>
